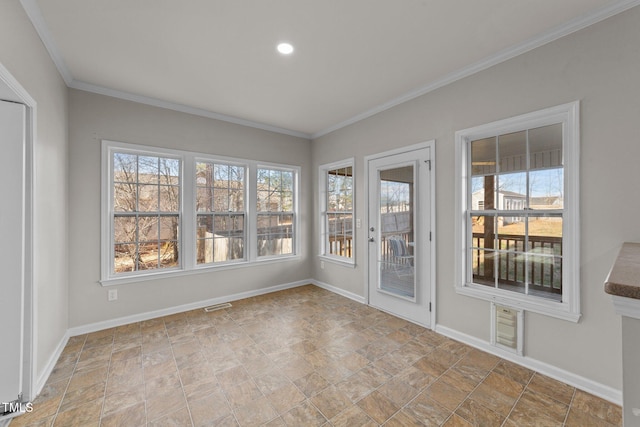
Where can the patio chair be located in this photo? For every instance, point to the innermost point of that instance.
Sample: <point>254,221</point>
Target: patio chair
<point>401,260</point>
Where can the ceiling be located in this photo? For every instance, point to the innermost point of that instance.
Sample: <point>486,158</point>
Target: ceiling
<point>352,58</point>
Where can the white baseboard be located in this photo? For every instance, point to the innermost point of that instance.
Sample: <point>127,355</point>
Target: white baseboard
<point>339,291</point>
<point>608,393</point>
<point>51,363</point>
<point>99,326</point>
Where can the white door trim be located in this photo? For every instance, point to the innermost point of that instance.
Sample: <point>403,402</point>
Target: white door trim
<point>12,90</point>
<point>431,144</point>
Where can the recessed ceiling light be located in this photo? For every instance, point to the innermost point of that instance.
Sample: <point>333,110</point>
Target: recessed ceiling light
<point>285,48</point>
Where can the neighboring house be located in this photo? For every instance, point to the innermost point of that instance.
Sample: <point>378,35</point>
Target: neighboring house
<point>507,200</point>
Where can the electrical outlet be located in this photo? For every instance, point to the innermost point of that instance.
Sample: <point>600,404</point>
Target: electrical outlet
<point>322,265</point>
<point>358,223</point>
<point>112,294</point>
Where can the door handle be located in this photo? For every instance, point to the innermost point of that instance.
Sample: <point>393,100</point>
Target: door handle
<point>371,239</point>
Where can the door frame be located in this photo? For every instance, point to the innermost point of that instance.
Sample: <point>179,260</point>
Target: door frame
<point>12,90</point>
<point>431,144</point>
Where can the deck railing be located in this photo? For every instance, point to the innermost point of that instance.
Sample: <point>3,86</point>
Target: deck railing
<point>341,246</point>
<point>544,272</point>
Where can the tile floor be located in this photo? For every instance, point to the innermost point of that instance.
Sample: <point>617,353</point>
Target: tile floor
<point>300,357</point>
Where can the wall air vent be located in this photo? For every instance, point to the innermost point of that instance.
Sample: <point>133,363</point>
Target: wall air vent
<point>217,307</point>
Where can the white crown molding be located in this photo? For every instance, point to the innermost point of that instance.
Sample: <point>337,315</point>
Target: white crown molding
<point>502,56</point>
<point>155,102</point>
<point>35,15</point>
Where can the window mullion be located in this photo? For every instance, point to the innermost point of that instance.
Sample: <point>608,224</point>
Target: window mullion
<point>187,216</point>
<point>496,200</point>
<point>468,226</point>
<point>159,209</point>
<point>527,217</point>
<point>251,200</point>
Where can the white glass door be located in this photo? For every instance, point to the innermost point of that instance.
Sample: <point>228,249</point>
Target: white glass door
<point>399,205</point>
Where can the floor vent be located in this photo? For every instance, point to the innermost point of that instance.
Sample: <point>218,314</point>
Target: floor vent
<point>217,307</point>
<point>507,328</point>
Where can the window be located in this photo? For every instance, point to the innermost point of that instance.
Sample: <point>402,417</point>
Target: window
<point>518,195</point>
<point>336,201</point>
<point>276,217</point>
<point>173,212</point>
<point>221,212</point>
<point>145,211</point>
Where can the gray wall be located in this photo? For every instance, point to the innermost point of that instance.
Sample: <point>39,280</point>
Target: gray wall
<point>23,54</point>
<point>598,66</point>
<point>96,117</point>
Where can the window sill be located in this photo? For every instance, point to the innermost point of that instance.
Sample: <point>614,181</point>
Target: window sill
<point>338,261</point>
<point>536,305</point>
<point>167,274</point>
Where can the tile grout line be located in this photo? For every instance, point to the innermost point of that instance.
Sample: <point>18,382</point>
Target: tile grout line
<point>368,394</point>
<point>476,387</point>
<point>173,357</point>
<point>468,394</point>
<point>75,366</point>
<point>573,396</point>
<point>106,383</point>
<point>420,391</point>
<point>524,389</point>
<point>144,376</point>
<point>253,381</point>
<point>141,340</point>
<point>224,393</point>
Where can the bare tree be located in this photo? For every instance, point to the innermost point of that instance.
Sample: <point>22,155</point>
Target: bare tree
<point>146,203</point>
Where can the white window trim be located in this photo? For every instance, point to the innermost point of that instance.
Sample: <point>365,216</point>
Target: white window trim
<point>322,194</point>
<point>569,308</point>
<point>252,210</point>
<point>108,147</point>
<point>220,161</point>
<point>188,214</point>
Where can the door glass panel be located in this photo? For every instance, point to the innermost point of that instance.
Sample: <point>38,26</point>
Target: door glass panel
<point>396,255</point>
